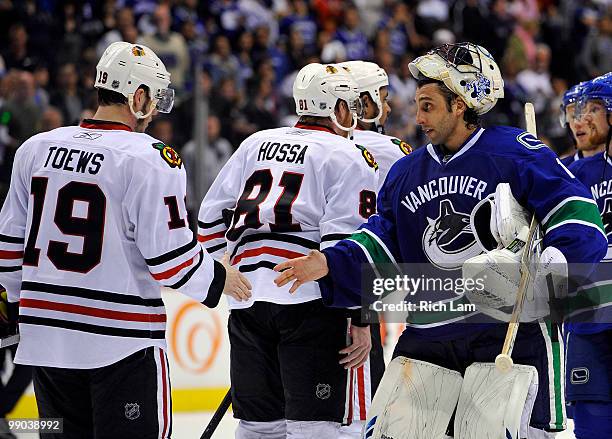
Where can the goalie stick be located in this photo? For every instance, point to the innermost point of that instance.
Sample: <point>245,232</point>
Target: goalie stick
<point>503,361</point>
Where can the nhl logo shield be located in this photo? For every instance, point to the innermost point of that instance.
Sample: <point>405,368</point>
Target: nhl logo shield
<point>323,391</point>
<point>132,411</point>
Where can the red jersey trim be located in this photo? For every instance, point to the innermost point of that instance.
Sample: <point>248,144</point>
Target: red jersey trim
<point>314,127</point>
<point>96,124</point>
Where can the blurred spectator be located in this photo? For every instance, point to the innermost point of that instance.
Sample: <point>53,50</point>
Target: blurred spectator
<point>596,57</point>
<point>169,46</point>
<point>352,37</point>
<point>51,119</point>
<point>402,33</point>
<point>222,63</point>
<point>497,29</point>
<point>536,80</point>
<point>17,54</point>
<point>125,25</point>
<point>161,128</point>
<point>300,20</point>
<point>262,108</point>
<point>217,151</point>
<point>67,96</point>
<point>41,81</point>
<point>71,45</point>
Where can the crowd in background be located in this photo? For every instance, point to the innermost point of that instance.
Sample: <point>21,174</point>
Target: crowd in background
<point>250,50</point>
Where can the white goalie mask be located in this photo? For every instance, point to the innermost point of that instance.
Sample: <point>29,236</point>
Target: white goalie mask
<point>370,79</point>
<point>468,70</point>
<point>124,67</point>
<point>318,87</point>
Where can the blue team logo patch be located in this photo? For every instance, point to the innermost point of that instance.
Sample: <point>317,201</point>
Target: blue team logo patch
<point>478,87</point>
<point>448,239</point>
<point>529,141</point>
<point>579,375</point>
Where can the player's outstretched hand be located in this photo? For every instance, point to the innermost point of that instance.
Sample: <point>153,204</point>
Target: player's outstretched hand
<point>359,350</point>
<point>236,285</point>
<point>301,270</point>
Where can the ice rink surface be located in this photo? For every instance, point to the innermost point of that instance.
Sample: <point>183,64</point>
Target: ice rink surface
<point>191,426</point>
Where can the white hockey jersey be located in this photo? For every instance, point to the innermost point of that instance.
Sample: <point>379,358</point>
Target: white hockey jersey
<point>385,149</point>
<point>94,224</point>
<point>283,193</point>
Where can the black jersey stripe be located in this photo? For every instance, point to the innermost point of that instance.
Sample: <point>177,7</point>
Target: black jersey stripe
<point>214,248</point>
<point>334,236</point>
<point>11,239</point>
<point>10,269</point>
<point>173,254</point>
<point>261,264</point>
<point>281,237</point>
<point>92,329</point>
<point>188,275</point>
<point>86,293</point>
<point>204,225</point>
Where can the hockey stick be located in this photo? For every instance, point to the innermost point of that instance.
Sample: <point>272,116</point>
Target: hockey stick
<point>503,361</point>
<point>216,418</point>
<point>9,341</point>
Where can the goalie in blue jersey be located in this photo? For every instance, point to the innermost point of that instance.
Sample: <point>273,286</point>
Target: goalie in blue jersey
<point>443,360</point>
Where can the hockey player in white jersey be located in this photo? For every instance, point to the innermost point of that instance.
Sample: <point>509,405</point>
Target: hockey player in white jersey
<point>94,224</point>
<point>373,85</point>
<point>283,193</point>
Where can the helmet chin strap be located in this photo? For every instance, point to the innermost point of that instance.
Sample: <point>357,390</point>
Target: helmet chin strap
<point>343,128</point>
<point>138,114</point>
<point>376,120</point>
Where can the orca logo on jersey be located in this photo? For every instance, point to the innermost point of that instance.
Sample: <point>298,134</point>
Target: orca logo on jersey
<point>403,146</point>
<point>369,158</point>
<point>448,240</point>
<point>169,155</point>
<point>529,141</point>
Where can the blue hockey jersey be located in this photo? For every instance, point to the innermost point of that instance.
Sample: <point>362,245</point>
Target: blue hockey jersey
<point>424,209</point>
<point>593,302</point>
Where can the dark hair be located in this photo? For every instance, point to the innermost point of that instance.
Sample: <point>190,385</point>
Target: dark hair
<point>109,97</point>
<point>470,117</point>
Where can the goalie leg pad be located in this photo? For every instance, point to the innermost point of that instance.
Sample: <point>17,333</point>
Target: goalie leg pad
<point>415,400</point>
<point>493,405</point>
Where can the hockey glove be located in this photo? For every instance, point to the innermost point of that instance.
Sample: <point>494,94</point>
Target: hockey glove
<point>497,275</point>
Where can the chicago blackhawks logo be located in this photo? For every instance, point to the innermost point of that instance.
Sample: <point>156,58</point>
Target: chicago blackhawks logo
<point>448,240</point>
<point>369,158</point>
<point>169,155</point>
<point>138,51</point>
<point>403,146</point>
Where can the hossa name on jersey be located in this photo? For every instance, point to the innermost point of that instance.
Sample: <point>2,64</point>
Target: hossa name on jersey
<point>595,173</point>
<point>284,192</point>
<point>424,215</point>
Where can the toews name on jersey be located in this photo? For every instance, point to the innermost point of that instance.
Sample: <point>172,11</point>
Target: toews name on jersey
<point>75,160</point>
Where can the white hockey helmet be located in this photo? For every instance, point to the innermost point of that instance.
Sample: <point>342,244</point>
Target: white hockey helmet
<point>468,70</point>
<point>318,87</point>
<point>370,77</point>
<point>123,67</point>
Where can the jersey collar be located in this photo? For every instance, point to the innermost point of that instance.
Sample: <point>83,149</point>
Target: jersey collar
<point>467,145</point>
<point>316,127</point>
<point>96,124</point>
